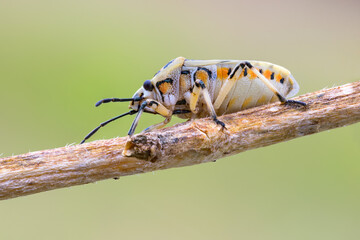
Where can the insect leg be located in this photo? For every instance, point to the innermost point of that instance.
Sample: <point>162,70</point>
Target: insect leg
<point>198,89</point>
<point>272,88</point>
<point>155,106</point>
<point>229,83</point>
<point>158,126</point>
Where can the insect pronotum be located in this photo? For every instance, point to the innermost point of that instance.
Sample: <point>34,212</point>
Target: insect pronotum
<point>200,88</point>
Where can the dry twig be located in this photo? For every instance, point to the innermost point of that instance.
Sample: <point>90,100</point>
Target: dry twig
<point>183,144</point>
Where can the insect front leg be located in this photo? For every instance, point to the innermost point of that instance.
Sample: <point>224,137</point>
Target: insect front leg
<point>266,81</point>
<point>200,89</point>
<point>156,107</point>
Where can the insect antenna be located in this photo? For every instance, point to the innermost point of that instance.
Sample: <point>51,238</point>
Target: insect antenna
<point>106,100</point>
<point>105,123</point>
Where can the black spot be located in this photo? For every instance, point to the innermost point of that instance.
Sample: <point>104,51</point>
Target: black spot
<point>282,80</point>
<point>260,71</point>
<point>272,76</point>
<point>181,102</point>
<point>185,72</point>
<point>248,65</point>
<point>200,84</point>
<point>245,72</point>
<point>235,70</point>
<point>229,71</point>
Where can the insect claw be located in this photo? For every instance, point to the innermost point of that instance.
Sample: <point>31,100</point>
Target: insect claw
<point>295,103</point>
<point>217,121</point>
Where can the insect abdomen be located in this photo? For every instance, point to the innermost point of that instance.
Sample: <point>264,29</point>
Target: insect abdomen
<point>249,91</point>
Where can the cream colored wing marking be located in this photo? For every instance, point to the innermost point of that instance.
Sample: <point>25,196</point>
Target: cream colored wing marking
<point>200,63</point>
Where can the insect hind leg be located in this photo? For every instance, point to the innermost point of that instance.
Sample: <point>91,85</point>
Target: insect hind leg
<point>281,98</point>
<point>200,89</point>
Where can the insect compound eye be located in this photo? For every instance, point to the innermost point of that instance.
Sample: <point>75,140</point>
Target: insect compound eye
<point>148,86</point>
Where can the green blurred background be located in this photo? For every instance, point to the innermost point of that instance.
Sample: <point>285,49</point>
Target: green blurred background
<point>57,58</point>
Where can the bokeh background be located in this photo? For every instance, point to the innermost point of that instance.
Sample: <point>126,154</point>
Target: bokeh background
<point>57,58</point>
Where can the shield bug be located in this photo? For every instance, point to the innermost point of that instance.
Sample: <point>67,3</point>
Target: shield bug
<point>200,88</point>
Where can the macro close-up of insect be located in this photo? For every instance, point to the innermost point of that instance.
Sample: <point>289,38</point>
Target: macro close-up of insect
<point>135,119</point>
<point>200,88</point>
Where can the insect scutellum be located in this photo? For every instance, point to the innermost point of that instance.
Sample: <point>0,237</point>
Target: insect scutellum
<point>200,88</point>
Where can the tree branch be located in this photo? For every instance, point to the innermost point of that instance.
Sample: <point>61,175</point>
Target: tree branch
<point>183,144</point>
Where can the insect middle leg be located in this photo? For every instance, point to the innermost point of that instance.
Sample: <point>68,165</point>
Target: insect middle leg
<point>200,89</point>
<point>229,84</point>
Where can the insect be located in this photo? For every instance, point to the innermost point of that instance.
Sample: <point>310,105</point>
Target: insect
<point>200,88</point>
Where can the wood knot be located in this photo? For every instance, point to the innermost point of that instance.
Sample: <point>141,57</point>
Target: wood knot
<point>143,146</point>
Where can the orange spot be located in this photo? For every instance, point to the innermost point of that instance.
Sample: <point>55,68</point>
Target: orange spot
<point>222,73</point>
<point>241,74</point>
<point>251,74</point>
<point>164,87</point>
<point>202,75</point>
<point>246,102</point>
<point>278,77</point>
<point>267,73</point>
<point>262,100</point>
